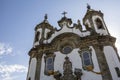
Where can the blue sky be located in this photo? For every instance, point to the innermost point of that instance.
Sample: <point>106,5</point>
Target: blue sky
<point>18,19</point>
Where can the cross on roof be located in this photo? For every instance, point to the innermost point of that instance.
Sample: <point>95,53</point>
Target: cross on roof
<point>64,13</point>
<point>45,17</point>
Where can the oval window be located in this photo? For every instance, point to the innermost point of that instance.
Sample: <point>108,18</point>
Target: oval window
<point>67,49</point>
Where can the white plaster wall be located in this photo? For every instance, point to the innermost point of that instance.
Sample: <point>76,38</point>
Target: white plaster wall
<point>59,60</point>
<point>32,69</point>
<point>76,63</point>
<point>112,61</point>
<point>88,75</point>
<point>100,31</point>
<point>42,76</point>
<point>74,58</point>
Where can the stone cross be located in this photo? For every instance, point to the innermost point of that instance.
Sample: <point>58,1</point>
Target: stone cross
<point>64,13</point>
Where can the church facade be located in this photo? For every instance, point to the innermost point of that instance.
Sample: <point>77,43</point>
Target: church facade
<point>71,53</point>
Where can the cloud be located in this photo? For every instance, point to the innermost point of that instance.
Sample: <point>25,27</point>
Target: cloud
<point>7,76</point>
<point>5,49</point>
<point>7,71</point>
<point>12,68</point>
<point>13,71</point>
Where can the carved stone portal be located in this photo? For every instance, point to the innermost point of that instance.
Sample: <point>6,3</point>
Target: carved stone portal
<point>68,73</point>
<point>67,67</point>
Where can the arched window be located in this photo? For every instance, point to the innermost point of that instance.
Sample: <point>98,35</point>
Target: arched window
<point>37,36</point>
<point>99,23</point>
<point>49,64</point>
<point>86,60</point>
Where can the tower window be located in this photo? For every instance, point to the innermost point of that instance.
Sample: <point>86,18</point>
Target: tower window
<point>99,24</point>
<point>37,36</point>
<point>117,71</point>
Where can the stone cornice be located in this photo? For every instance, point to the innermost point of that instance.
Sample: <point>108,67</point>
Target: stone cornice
<point>81,42</point>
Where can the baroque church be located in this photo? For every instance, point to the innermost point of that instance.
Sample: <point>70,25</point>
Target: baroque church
<point>74,53</point>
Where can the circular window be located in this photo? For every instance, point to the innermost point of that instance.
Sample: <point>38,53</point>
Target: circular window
<point>67,49</point>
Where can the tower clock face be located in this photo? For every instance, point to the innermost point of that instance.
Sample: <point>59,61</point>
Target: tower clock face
<point>66,49</point>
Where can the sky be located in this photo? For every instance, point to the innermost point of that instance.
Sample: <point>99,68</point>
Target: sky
<point>18,19</point>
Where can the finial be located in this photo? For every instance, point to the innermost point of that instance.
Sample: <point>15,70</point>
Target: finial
<point>45,17</point>
<point>64,13</point>
<point>78,21</point>
<point>88,6</point>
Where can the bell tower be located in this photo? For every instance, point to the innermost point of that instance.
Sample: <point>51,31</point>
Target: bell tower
<point>71,53</point>
<point>93,20</point>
